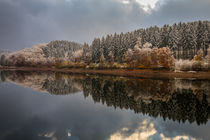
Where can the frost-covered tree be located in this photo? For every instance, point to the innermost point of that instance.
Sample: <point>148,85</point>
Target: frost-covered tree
<point>138,43</point>
<point>77,56</point>
<point>173,41</point>
<point>111,58</point>
<point>202,36</point>
<point>60,49</point>
<point>166,58</point>
<point>146,54</point>
<point>102,59</point>
<point>189,42</point>
<point>154,36</point>
<point>154,56</point>
<point>128,56</point>
<point>199,56</point>
<point>147,45</point>
<point>86,56</point>
<point>137,54</point>
<point>96,50</point>
<point>164,35</point>
<point>208,56</point>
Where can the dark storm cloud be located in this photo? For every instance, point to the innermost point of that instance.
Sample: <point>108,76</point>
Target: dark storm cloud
<point>179,10</point>
<point>10,24</point>
<point>25,23</point>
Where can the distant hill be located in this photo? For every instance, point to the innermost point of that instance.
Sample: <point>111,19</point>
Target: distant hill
<point>41,54</point>
<point>3,53</point>
<point>61,49</point>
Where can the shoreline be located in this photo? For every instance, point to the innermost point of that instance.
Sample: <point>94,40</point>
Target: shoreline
<point>139,73</point>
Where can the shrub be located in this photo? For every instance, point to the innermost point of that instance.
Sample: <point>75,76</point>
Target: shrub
<point>183,65</point>
<point>142,67</point>
<point>79,65</point>
<point>205,66</point>
<point>117,66</point>
<point>197,65</point>
<point>92,66</point>
<point>199,56</point>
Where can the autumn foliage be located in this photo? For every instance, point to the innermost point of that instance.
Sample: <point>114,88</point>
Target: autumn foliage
<point>198,63</point>
<point>139,56</point>
<point>147,57</point>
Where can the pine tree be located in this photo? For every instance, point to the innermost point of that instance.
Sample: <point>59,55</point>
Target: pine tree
<point>208,56</point>
<point>174,40</point>
<point>155,38</point>
<point>184,40</point>
<point>189,41</point>
<point>203,32</point>
<point>95,48</point>
<point>102,59</point>
<point>111,58</point>
<point>205,39</point>
<point>2,60</point>
<point>164,36</point>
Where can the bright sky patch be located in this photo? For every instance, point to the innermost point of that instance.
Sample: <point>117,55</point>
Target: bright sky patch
<point>147,5</point>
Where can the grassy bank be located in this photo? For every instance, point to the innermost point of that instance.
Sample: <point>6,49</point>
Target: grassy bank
<point>143,73</point>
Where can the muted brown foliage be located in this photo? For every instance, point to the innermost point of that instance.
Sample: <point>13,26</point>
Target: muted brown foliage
<point>199,56</point>
<point>166,58</point>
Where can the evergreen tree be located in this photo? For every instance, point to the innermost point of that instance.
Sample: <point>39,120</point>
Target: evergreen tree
<point>173,41</point>
<point>95,48</point>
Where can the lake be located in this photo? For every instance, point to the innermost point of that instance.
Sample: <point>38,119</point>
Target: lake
<point>65,106</point>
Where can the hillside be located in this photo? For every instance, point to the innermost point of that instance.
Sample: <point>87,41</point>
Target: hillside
<point>41,54</point>
<point>183,39</point>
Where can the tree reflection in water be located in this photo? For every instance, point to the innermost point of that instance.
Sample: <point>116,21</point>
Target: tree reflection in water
<point>175,99</point>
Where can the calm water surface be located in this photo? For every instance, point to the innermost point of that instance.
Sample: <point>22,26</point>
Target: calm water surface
<point>60,106</point>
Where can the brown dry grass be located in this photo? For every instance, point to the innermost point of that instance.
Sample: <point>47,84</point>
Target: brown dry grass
<point>143,73</point>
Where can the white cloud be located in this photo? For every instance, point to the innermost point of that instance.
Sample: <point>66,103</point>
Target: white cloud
<point>176,137</point>
<point>145,131</point>
<point>147,5</point>
<point>126,1</point>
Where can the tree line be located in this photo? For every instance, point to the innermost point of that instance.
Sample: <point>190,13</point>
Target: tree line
<point>183,39</point>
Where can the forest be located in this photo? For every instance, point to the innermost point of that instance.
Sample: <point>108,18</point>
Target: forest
<point>180,47</point>
<point>183,39</point>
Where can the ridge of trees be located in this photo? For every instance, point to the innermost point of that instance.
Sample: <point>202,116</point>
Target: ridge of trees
<point>183,39</point>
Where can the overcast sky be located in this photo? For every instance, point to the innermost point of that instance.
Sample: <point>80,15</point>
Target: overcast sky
<point>24,23</point>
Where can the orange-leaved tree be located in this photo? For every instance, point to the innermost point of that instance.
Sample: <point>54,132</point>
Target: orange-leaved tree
<point>199,56</point>
<point>166,58</point>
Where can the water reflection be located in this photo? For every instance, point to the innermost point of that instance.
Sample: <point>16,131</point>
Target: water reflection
<point>146,130</point>
<point>174,99</point>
